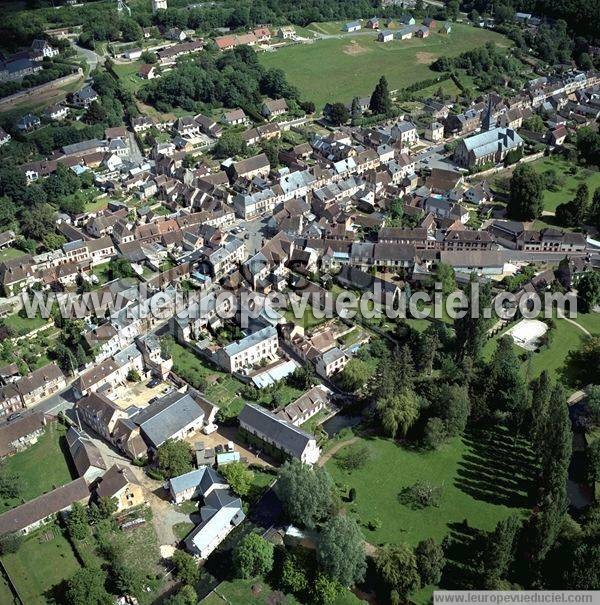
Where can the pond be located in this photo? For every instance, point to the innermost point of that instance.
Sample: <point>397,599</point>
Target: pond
<point>340,421</point>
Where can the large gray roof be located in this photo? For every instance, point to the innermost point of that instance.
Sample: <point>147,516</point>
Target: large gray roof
<point>281,432</point>
<point>168,416</point>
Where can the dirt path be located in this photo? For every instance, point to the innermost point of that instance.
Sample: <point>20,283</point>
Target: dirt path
<point>572,321</point>
<point>338,446</point>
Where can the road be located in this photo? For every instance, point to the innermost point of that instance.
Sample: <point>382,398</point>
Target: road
<point>90,56</point>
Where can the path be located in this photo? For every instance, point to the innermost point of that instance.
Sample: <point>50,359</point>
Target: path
<point>572,321</point>
<point>92,58</point>
<point>338,446</point>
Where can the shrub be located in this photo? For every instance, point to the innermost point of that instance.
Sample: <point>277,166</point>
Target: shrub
<point>421,494</point>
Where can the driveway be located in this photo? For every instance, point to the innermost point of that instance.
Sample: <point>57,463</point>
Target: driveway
<point>90,56</point>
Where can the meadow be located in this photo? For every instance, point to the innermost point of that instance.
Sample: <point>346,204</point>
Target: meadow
<point>339,68</point>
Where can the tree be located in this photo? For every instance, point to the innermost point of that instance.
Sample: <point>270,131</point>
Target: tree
<point>397,413</point>
<point>575,212</point>
<point>456,408</point>
<point>338,114</point>
<point>588,290</point>
<point>355,111</point>
<point>471,330</point>
<point>186,596</point>
<point>229,145</point>
<point>541,389</point>
<point>397,567</point>
<point>10,543</point>
<point>238,476</point>
<point>381,101</point>
<point>86,587</point>
<point>293,577</point>
<point>594,211</point>
<point>325,590</point>
<point>186,568</point>
<point>430,561</point>
<point>340,551</point>
<point>77,522</point>
<point>38,221</point>
<point>444,274</point>
<point>498,551</point>
<point>354,375</point>
<point>149,57</point>
<point>119,268</point>
<point>174,458</point>
<point>306,492</point>
<point>95,114</point>
<point>592,462</point>
<point>435,433</point>
<point>127,579</point>
<point>253,556</point>
<point>525,201</point>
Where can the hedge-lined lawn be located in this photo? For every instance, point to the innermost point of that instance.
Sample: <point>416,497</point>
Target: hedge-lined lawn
<point>338,69</point>
<point>41,467</point>
<point>567,190</point>
<point>23,325</point>
<point>484,480</point>
<point>565,338</point>
<point>40,565</point>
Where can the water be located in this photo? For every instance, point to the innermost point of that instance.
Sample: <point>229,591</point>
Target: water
<point>340,421</point>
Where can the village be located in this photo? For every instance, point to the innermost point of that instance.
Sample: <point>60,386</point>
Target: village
<point>180,435</point>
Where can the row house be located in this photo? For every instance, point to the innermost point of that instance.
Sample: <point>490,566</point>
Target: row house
<point>248,351</point>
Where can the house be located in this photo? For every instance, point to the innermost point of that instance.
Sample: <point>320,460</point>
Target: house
<point>262,34</point>
<point>174,416</point>
<point>434,132</point>
<point>404,132</point>
<point>306,406</point>
<point>422,32</point>
<point>430,23</point>
<point>220,513</point>
<point>385,36</point>
<point>31,515</point>
<point>56,112</point>
<point>147,71</point>
<point>28,122</point>
<point>176,34</point>
<point>119,484</point>
<point>42,48</point>
<point>373,23</point>
<point>84,97</point>
<point>272,108</point>
<point>286,32</point>
<point>235,117</point>
<point>4,137</point>
<point>446,28</point>
<point>557,136</point>
<point>86,456</point>
<point>17,68</point>
<point>200,482</point>
<point>407,19</point>
<point>249,351</point>
<point>490,146</point>
<point>132,54</point>
<point>257,165</point>
<point>352,26</point>
<point>404,33</point>
<point>331,362</point>
<point>481,262</point>
<point>278,437</point>
<point>41,383</point>
<point>20,433</point>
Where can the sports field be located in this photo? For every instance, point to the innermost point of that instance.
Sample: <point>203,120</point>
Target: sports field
<point>337,69</point>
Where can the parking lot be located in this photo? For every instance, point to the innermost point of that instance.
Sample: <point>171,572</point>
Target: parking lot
<point>140,394</point>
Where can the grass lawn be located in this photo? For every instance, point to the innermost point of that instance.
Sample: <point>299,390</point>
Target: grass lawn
<point>127,73</point>
<point>41,564</point>
<point>258,592</point>
<point>567,191</point>
<point>102,273</point>
<point>6,595</point>
<point>181,530</point>
<point>566,338</point>
<point>484,480</point>
<point>221,388</point>
<point>308,319</point>
<point>41,467</point>
<point>338,69</point>
<point>10,253</point>
<point>590,321</point>
<point>23,325</point>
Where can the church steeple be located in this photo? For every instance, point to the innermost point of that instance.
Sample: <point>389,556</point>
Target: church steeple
<point>488,121</point>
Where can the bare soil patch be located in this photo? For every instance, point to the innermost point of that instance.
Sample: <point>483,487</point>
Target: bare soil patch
<point>425,58</point>
<point>354,48</point>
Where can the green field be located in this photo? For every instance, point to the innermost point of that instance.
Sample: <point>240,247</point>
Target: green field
<point>23,325</point>
<point>484,480</point>
<point>41,467</point>
<point>10,253</point>
<point>566,338</point>
<point>567,191</point>
<point>258,592</point>
<point>338,69</point>
<point>127,74</point>
<point>40,566</point>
